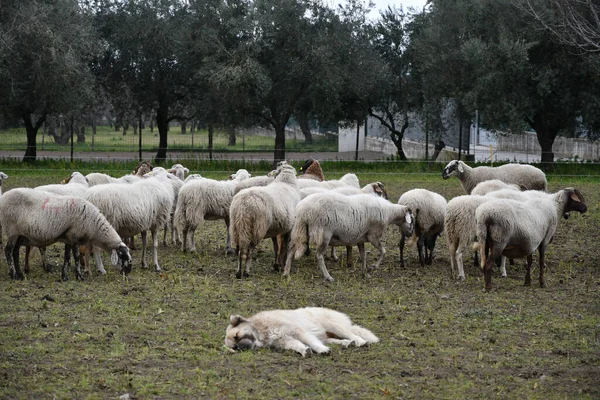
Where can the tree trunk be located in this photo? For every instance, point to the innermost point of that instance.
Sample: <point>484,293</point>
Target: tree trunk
<point>279,153</point>
<point>183,127</point>
<point>302,119</point>
<point>210,141</point>
<point>32,130</point>
<point>162,123</point>
<point>397,137</point>
<point>546,135</point>
<point>81,134</point>
<point>193,126</point>
<point>232,136</point>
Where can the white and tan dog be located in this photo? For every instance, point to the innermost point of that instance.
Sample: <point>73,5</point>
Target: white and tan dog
<point>302,330</point>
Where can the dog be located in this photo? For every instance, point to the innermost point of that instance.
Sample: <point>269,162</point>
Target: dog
<point>303,330</point>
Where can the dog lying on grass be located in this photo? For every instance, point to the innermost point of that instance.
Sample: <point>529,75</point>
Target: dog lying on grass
<point>302,330</point>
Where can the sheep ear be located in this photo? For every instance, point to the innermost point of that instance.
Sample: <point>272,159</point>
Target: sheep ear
<point>235,320</point>
<point>114,257</point>
<point>408,217</point>
<point>3,175</point>
<point>575,196</point>
<point>460,167</point>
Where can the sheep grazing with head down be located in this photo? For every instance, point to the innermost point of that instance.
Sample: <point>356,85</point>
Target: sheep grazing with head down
<point>515,229</point>
<point>332,219</point>
<point>264,212</point>
<point>135,208</point>
<point>494,185</point>
<point>37,218</point>
<point>429,210</point>
<point>346,180</point>
<point>528,176</point>
<point>311,170</point>
<point>205,199</point>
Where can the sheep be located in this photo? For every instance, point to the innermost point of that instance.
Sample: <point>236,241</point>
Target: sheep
<point>516,229</point>
<point>253,182</point>
<point>205,199</point>
<point>37,218</point>
<point>74,185</point>
<point>138,207</point>
<point>459,223</point>
<point>334,219</point>
<point>485,187</point>
<point>311,170</point>
<point>264,212</point>
<point>3,177</point>
<point>176,183</point>
<point>375,188</point>
<point>98,178</point>
<point>346,180</point>
<point>527,175</point>
<point>179,171</point>
<point>429,209</point>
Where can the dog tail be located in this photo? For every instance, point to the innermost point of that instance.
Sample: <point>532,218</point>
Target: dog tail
<point>365,334</point>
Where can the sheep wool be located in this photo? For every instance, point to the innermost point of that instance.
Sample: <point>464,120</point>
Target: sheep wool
<point>528,176</point>
<point>515,229</point>
<point>429,209</point>
<point>334,219</point>
<point>38,218</point>
<point>264,212</point>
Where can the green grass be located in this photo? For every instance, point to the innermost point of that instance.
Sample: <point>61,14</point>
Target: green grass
<point>160,335</point>
<point>107,140</point>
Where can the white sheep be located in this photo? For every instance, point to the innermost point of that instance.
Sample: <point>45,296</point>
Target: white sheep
<point>253,182</point>
<point>429,210</point>
<point>205,199</point>
<point>74,185</point>
<point>515,229</point>
<point>459,223</point>
<point>3,177</point>
<point>493,185</point>
<point>520,174</point>
<point>179,171</point>
<point>99,178</point>
<point>135,208</point>
<point>346,180</point>
<point>332,219</point>
<point>264,212</point>
<point>37,218</point>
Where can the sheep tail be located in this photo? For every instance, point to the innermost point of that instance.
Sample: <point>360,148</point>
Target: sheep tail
<point>299,238</point>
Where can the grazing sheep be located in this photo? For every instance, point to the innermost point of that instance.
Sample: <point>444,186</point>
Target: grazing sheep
<point>98,178</point>
<point>264,212</point>
<point>3,177</point>
<point>346,180</point>
<point>332,219</point>
<point>520,174</point>
<point>37,218</point>
<point>493,185</point>
<point>515,229</point>
<point>74,185</point>
<point>179,171</point>
<point>429,209</point>
<point>135,208</point>
<point>205,199</point>
<point>311,170</point>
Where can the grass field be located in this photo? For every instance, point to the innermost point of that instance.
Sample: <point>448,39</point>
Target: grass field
<point>107,140</point>
<point>161,335</point>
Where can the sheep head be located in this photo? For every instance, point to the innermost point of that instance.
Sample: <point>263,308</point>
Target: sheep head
<point>122,253</point>
<point>312,167</point>
<point>575,202</point>
<point>451,169</point>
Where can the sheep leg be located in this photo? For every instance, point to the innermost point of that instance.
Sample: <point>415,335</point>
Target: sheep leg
<point>542,252</point>
<point>155,250</point>
<point>361,251</point>
<point>165,232</point>
<point>45,264</point>
<point>288,261</point>
<point>98,259</point>
<point>244,262</point>
<point>321,262</point>
<point>379,246</point>
<point>528,271</point>
<point>249,261</point>
<point>349,257</point>
<point>488,263</point>
<point>333,256</point>
<point>430,246</point>
<point>402,242</point>
<point>420,243</point>
<point>77,259</point>
<point>503,267</point>
<point>476,259</point>
<point>12,258</point>
<point>283,251</point>
<point>228,248</point>
<point>275,240</point>
<point>66,262</point>
<point>144,246</point>
<point>26,268</point>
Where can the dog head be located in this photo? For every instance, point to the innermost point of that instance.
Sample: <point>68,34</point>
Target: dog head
<point>241,334</point>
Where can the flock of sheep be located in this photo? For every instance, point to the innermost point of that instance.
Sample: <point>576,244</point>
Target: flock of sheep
<point>506,212</point>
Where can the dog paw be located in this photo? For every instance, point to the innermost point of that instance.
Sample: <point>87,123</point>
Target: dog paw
<point>360,343</point>
<point>323,350</point>
<point>346,343</point>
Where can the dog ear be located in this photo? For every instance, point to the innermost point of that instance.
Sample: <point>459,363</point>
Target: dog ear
<point>235,320</point>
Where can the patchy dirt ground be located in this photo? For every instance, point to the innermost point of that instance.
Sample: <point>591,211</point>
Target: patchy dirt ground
<point>160,335</point>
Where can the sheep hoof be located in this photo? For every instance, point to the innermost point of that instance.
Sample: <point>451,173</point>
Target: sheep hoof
<point>65,278</point>
<point>527,282</point>
<point>276,267</point>
<point>48,267</point>
<point>230,251</point>
<point>329,279</point>
<point>543,284</point>
<point>238,275</point>
<point>15,276</point>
